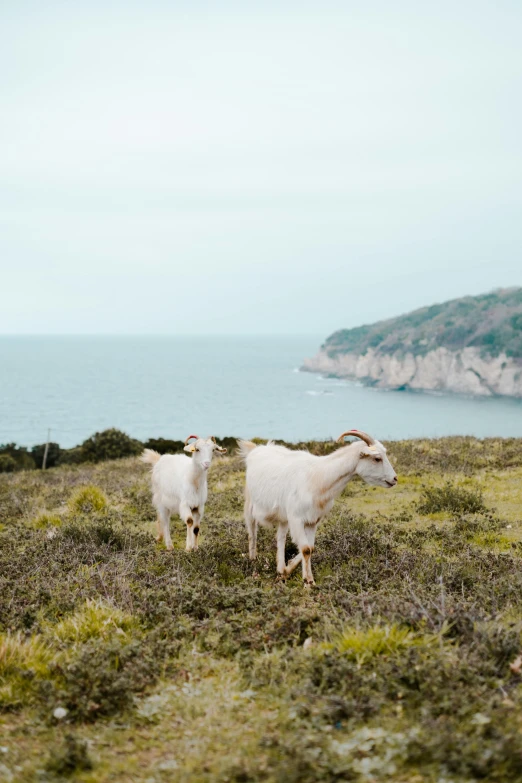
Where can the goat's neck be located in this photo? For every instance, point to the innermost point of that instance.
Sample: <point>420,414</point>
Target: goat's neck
<point>198,476</point>
<point>338,468</point>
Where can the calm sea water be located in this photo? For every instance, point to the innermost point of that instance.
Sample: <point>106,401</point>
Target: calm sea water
<point>241,386</point>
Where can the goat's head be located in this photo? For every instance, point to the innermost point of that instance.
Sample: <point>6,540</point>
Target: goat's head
<point>373,466</point>
<point>203,449</point>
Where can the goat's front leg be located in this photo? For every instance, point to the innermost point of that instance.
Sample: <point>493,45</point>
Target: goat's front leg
<point>197,513</point>
<point>282,530</point>
<point>185,513</point>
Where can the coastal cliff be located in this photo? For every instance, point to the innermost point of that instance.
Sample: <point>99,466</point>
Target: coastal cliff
<point>468,346</point>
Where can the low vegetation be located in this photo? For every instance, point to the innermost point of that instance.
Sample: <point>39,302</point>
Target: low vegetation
<point>120,661</point>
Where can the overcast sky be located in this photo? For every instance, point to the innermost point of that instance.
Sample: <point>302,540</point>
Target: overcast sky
<point>255,167</point>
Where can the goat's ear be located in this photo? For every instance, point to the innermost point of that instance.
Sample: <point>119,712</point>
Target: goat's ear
<point>190,447</point>
<point>370,451</point>
<point>221,450</point>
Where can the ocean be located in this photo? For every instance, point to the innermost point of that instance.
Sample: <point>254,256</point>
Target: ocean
<point>171,387</point>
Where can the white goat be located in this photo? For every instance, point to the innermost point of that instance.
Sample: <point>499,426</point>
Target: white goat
<point>295,489</point>
<point>179,485</point>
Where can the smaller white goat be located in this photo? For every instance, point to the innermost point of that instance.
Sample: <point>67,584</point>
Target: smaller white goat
<point>179,486</point>
<point>295,490</point>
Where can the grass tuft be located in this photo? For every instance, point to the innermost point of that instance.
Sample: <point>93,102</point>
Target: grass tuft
<point>23,660</point>
<point>364,644</point>
<point>94,620</point>
<point>46,520</point>
<point>88,500</point>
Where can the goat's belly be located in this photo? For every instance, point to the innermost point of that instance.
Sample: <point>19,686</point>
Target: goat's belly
<point>169,500</point>
<point>268,518</point>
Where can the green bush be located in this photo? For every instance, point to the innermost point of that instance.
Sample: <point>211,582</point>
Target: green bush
<point>110,444</point>
<point>53,455</point>
<point>450,498</point>
<point>70,758</point>
<point>19,454</point>
<point>101,678</point>
<point>7,464</point>
<point>74,456</point>
<point>164,445</point>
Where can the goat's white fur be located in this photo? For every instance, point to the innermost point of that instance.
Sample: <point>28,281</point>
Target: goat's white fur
<point>179,486</point>
<point>294,490</point>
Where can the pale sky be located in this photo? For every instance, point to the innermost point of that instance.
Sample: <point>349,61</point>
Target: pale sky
<point>256,167</point>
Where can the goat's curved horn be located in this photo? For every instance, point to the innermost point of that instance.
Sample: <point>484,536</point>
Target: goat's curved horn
<point>191,436</point>
<point>357,434</point>
<point>212,438</point>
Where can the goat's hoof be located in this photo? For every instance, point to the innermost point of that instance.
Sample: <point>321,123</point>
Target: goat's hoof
<point>170,547</point>
<point>281,578</point>
<point>308,583</point>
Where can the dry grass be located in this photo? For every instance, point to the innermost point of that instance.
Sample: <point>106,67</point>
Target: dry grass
<point>193,667</point>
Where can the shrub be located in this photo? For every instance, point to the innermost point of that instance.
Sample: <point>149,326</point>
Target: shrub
<point>70,758</point>
<point>164,445</point>
<point>87,500</point>
<point>53,455</point>
<point>19,454</point>
<point>73,456</point>
<point>101,678</point>
<point>110,444</point>
<point>450,498</point>
<point>7,464</point>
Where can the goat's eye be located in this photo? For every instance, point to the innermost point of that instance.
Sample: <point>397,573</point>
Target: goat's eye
<point>378,459</point>
<point>196,449</point>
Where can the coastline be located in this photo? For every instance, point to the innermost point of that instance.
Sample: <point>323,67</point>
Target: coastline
<point>463,372</point>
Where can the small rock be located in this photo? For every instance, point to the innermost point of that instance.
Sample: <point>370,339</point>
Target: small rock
<point>60,712</point>
<point>480,720</point>
<point>516,665</point>
<point>168,764</point>
<point>307,643</point>
<point>5,773</point>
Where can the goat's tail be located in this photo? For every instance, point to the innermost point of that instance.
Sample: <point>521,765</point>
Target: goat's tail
<point>150,456</point>
<point>244,448</point>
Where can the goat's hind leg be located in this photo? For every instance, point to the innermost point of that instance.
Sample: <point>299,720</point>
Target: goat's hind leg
<point>282,530</point>
<point>308,577</point>
<point>159,535</point>
<point>164,526</point>
<point>251,526</point>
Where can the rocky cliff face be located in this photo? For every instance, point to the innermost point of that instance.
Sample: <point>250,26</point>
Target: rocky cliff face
<point>464,371</point>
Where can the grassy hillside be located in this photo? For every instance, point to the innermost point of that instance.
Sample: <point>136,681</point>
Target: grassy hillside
<point>120,661</point>
<point>491,322</point>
